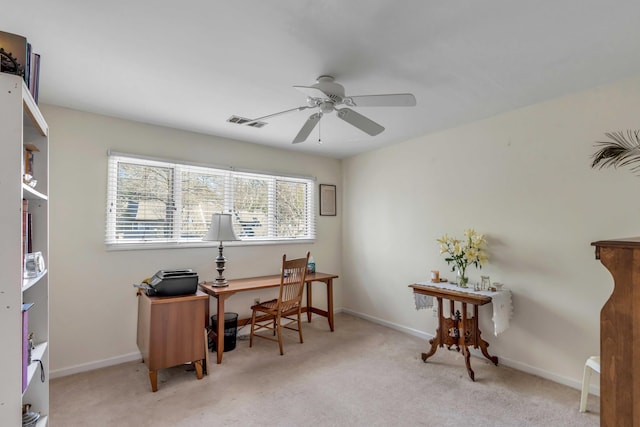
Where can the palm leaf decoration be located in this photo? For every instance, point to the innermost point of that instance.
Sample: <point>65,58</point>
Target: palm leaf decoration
<point>622,150</point>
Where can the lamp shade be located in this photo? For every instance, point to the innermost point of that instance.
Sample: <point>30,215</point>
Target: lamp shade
<point>221,229</point>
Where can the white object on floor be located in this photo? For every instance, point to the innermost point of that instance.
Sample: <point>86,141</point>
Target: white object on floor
<point>592,364</point>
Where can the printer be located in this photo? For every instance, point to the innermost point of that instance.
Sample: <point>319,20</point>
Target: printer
<point>171,283</point>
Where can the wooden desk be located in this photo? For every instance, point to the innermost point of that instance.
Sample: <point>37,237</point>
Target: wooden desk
<point>457,329</point>
<point>620,334</point>
<point>171,332</point>
<point>263,282</point>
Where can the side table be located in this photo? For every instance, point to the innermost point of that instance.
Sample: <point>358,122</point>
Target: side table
<point>171,332</point>
<point>457,330</point>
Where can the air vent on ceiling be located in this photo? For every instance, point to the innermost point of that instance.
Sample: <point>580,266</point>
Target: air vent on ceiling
<point>242,120</point>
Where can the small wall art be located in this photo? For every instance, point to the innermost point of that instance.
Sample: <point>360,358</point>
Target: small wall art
<point>327,200</point>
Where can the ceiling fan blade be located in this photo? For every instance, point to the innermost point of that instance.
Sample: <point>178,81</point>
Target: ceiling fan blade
<point>363,123</point>
<point>304,107</point>
<point>388,100</point>
<point>312,92</point>
<point>308,126</point>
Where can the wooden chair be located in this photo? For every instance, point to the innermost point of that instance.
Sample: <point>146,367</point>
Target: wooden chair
<point>287,308</point>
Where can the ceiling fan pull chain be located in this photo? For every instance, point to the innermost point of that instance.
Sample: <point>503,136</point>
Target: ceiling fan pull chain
<point>319,138</point>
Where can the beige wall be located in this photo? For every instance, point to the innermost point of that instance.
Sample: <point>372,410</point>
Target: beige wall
<point>524,179</point>
<point>93,303</point>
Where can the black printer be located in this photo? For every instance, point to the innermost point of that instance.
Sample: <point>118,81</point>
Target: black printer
<point>171,283</point>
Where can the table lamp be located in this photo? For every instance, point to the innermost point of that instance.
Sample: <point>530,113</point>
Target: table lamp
<point>221,230</point>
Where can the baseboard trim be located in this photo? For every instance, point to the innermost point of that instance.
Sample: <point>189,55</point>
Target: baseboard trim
<point>569,382</point>
<point>63,372</point>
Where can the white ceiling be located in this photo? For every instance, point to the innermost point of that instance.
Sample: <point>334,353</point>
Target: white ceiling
<point>191,64</point>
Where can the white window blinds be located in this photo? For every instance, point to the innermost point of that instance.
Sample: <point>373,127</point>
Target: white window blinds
<point>151,201</point>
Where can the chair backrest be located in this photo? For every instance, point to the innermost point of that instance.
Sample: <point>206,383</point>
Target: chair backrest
<point>292,279</point>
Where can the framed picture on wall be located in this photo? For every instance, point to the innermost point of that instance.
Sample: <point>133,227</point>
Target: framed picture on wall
<point>327,200</point>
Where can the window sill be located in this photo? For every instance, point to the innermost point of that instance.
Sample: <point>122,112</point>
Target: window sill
<point>191,245</point>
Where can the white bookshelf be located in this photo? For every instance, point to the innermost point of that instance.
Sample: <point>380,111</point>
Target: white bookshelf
<point>22,123</point>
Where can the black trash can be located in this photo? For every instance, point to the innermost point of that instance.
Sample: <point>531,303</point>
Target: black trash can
<point>230,330</point>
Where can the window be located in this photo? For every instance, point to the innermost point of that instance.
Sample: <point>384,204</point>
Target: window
<point>152,202</point>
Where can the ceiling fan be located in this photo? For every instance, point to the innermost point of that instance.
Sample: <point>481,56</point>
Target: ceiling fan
<point>326,95</point>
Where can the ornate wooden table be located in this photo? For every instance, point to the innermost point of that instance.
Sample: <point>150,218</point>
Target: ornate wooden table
<point>457,330</point>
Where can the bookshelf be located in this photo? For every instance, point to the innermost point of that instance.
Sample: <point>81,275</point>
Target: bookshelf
<point>22,123</point>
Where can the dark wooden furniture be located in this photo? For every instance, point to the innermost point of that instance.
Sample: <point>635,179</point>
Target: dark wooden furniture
<point>285,307</point>
<point>457,330</point>
<point>620,334</point>
<point>170,332</point>
<point>254,283</point>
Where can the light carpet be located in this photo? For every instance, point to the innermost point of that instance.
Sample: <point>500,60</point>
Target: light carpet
<point>363,374</point>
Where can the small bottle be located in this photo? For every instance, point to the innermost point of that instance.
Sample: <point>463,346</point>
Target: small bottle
<point>311,265</point>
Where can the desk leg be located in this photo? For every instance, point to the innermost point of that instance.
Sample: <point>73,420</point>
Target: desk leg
<point>330,302</point>
<point>310,309</point>
<point>198,366</point>
<point>153,378</point>
<point>452,316</point>
<point>476,338</point>
<point>206,348</point>
<point>220,328</point>
<point>464,341</point>
<point>309,304</point>
<point>437,340</point>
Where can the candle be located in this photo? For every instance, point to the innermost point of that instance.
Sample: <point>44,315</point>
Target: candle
<point>435,276</point>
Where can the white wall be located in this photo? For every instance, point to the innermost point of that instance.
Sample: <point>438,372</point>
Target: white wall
<point>93,303</point>
<point>522,178</point>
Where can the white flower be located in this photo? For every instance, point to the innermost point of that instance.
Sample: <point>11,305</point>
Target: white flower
<point>464,252</point>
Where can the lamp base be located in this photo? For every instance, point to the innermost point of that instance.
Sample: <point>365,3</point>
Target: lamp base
<point>219,283</point>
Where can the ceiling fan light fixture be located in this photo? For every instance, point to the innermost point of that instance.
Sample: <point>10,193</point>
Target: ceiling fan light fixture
<point>326,107</point>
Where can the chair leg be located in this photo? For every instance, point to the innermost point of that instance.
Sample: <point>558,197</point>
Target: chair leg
<point>300,325</point>
<point>253,324</point>
<point>279,331</point>
<point>586,381</point>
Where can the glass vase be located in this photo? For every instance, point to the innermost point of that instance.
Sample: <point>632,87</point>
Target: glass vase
<point>461,278</point>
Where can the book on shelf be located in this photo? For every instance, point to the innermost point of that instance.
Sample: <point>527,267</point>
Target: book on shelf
<point>32,76</point>
<point>25,208</point>
<point>27,227</point>
<point>29,243</point>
